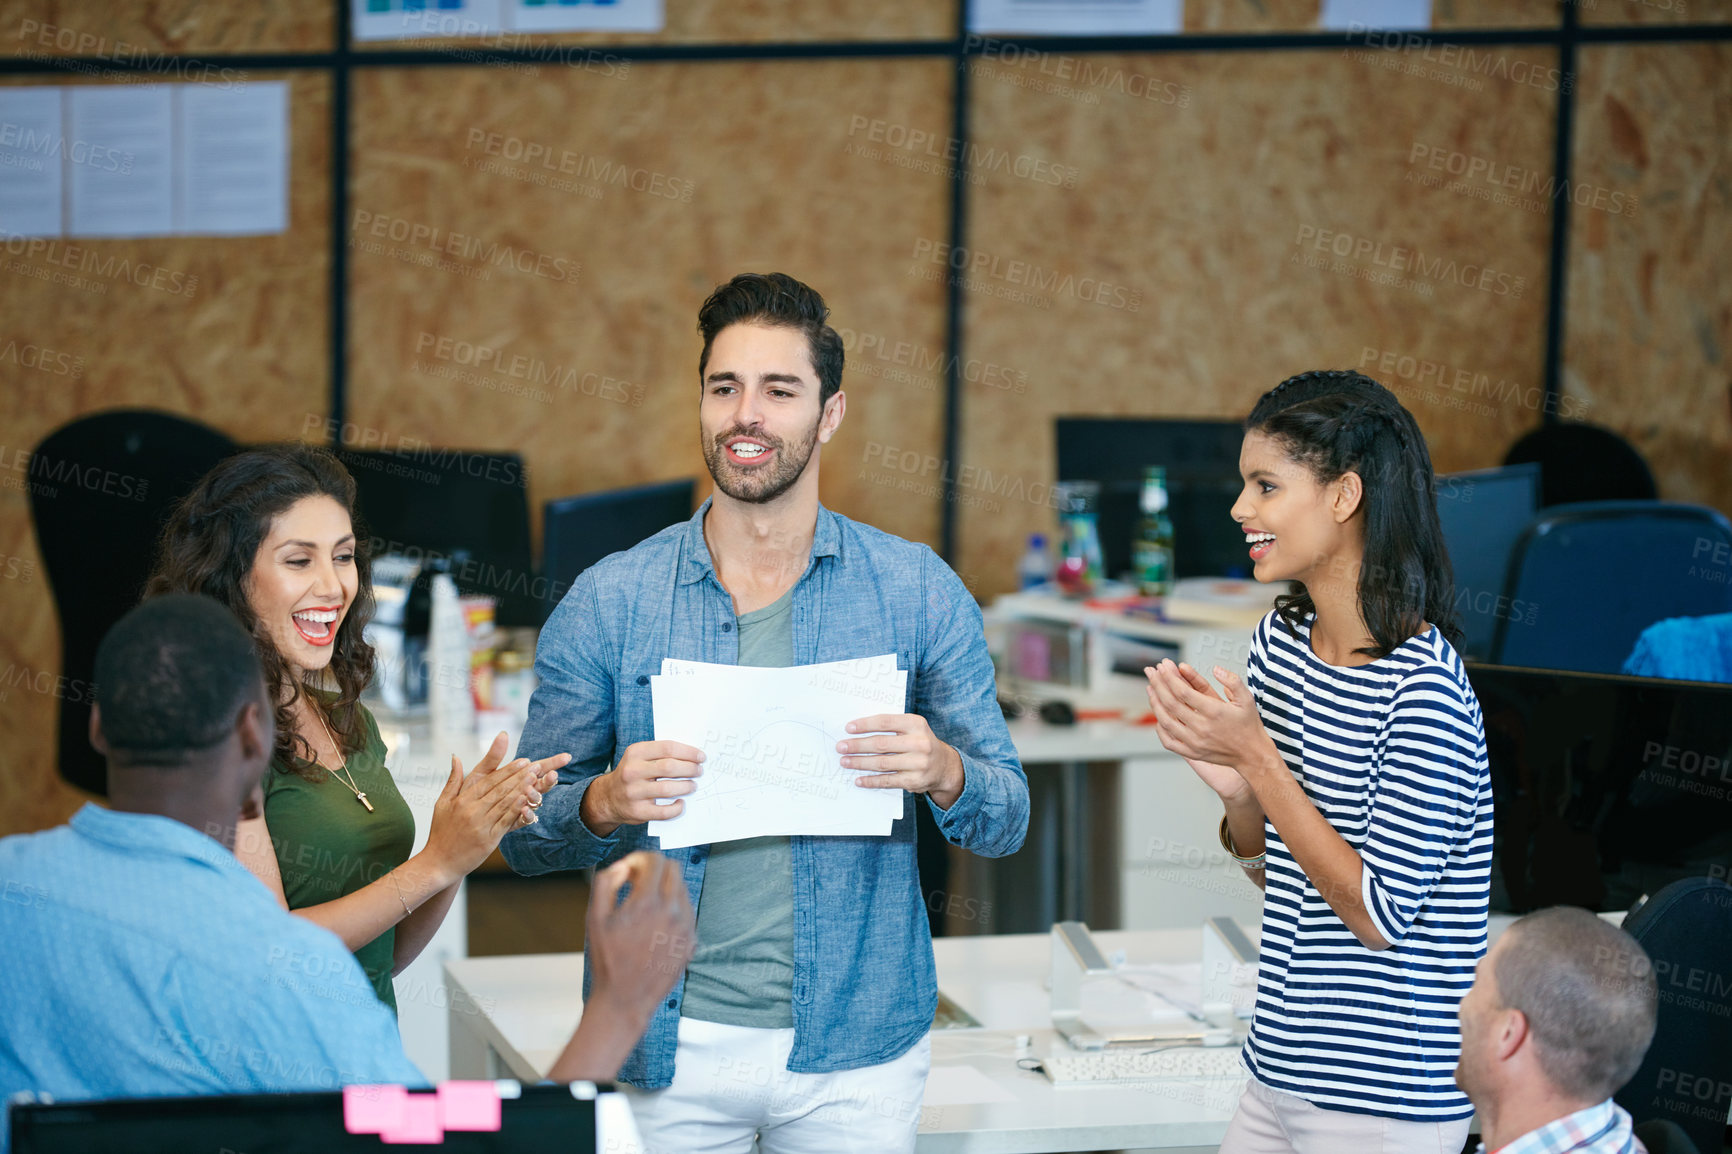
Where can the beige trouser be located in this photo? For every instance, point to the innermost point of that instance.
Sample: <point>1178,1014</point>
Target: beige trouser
<point>1271,1122</point>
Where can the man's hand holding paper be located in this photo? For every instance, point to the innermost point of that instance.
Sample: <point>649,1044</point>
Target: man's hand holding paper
<point>646,785</point>
<point>903,753</point>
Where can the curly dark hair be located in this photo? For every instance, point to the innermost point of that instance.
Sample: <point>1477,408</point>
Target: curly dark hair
<point>209,545</point>
<point>775,299</point>
<point>1338,421</point>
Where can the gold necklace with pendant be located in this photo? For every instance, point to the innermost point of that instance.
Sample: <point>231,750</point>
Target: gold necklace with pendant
<point>340,773</point>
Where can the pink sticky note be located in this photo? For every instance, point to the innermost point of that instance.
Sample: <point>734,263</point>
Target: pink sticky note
<point>373,1109</point>
<point>420,1123</point>
<point>469,1106</point>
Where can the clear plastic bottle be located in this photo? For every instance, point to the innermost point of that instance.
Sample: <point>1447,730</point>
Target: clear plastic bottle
<point>1035,568</point>
<point>1152,552</point>
<point>1080,564</point>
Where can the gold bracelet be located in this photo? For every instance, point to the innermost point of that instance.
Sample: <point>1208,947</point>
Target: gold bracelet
<point>1250,863</point>
<point>406,910</point>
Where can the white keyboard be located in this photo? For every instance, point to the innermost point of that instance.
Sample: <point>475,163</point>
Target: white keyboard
<point>1072,1068</point>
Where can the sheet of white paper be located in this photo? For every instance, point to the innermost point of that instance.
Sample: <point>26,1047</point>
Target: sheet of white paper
<point>234,159</point>
<point>962,1086</point>
<point>1354,15</point>
<point>869,668</point>
<point>31,162</point>
<point>1078,17</point>
<point>769,736</point>
<point>120,144</point>
<point>771,766</point>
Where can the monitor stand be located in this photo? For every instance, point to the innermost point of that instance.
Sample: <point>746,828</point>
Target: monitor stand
<point>1076,958</point>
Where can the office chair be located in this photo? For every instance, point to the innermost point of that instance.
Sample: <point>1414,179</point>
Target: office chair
<point>1583,462</point>
<point>1585,580</point>
<point>101,488</point>
<point>1663,1137</point>
<point>1687,930</point>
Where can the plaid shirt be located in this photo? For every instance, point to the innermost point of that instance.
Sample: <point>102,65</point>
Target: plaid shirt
<point>1601,1129</point>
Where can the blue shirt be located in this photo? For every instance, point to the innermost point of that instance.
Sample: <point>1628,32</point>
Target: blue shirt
<point>864,988</point>
<point>1392,754</point>
<point>1684,649</point>
<point>139,958</point>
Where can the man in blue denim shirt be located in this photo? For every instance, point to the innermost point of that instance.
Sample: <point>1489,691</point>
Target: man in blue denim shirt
<point>819,990</point>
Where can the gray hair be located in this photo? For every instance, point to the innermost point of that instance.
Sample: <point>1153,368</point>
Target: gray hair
<point>1587,989</point>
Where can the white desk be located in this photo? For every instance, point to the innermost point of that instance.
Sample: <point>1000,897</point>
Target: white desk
<point>1172,870</point>
<point>1039,743</point>
<point>510,1017</point>
<point>1002,981</point>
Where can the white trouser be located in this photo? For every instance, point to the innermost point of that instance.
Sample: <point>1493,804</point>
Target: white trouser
<point>733,1093</point>
<point>1271,1122</point>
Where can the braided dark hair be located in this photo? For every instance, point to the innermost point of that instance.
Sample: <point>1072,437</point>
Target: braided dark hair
<point>1339,421</point>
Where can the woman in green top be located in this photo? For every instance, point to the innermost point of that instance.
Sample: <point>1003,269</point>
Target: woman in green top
<point>270,533</point>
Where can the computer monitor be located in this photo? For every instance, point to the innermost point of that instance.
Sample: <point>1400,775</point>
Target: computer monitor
<point>1202,462</point>
<point>1605,788</point>
<point>576,532</point>
<point>554,1117</point>
<point>1483,513</point>
<point>469,507</point>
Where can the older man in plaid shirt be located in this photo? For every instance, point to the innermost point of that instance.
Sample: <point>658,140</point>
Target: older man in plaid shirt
<point>1560,1015</point>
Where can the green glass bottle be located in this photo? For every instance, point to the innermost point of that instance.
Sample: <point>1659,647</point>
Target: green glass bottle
<point>1152,553</point>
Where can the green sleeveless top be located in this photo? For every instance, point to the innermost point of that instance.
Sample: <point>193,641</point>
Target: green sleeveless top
<point>328,845</point>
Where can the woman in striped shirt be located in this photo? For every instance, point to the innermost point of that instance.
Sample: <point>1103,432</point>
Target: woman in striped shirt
<point>1351,763</point>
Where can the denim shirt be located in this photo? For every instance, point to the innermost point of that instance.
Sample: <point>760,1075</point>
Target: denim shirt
<point>864,987</point>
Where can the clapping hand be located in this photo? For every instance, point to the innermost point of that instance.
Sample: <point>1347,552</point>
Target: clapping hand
<point>1215,735</point>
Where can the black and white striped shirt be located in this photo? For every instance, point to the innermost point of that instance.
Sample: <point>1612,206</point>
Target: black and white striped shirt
<point>1393,755</point>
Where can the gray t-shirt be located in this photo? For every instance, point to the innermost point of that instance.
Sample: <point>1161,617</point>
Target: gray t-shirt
<point>742,972</point>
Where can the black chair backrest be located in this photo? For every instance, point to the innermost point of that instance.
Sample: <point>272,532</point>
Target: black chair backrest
<point>101,489</point>
<point>1582,462</point>
<point>1687,930</point>
<point>1663,1137</point>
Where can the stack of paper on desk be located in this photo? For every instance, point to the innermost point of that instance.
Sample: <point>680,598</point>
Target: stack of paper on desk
<point>769,738</point>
